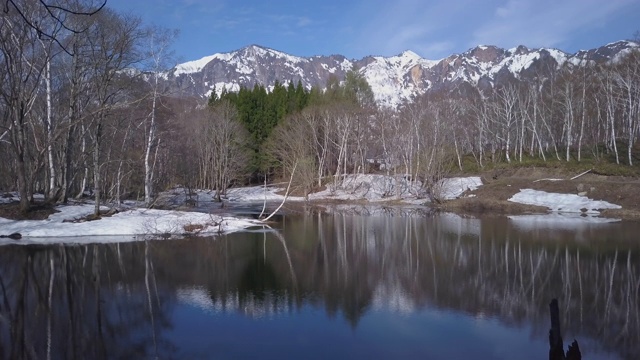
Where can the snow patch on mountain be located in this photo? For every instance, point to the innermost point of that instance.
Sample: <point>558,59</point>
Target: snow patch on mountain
<point>261,52</point>
<point>191,67</point>
<point>346,65</point>
<point>397,78</point>
<point>517,63</point>
<point>393,80</point>
<point>559,56</point>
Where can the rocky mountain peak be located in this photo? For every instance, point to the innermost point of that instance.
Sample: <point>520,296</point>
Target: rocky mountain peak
<point>486,54</point>
<point>519,50</point>
<point>608,51</point>
<point>393,79</point>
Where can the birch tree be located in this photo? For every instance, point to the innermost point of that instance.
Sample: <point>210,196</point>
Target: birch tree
<point>159,58</point>
<point>627,77</point>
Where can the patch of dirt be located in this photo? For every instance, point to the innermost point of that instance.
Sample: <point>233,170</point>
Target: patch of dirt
<point>93,217</point>
<point>478,205</point>
<point>499,186</point>
<point>38,211</point>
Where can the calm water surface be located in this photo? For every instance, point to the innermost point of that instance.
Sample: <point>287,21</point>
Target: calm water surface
<point>344,285</point>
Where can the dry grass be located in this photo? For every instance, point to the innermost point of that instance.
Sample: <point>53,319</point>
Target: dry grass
<point>500,184</point>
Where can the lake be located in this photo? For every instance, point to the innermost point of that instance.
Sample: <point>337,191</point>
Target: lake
<point>355,283</point>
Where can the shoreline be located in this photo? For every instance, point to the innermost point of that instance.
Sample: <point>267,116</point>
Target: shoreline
<point>525,191</point>
<point>499,186</point>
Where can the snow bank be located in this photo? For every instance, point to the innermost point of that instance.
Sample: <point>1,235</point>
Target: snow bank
<point>371,188</point>
<point>130,223</point>
<point>258,194</point>
<point>452,188</point>
<point>562,203</point>
<point>367,187</point>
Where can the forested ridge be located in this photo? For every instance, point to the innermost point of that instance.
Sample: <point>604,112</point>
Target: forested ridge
<point>84,112</point>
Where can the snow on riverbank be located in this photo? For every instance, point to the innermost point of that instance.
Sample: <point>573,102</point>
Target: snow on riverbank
<point>371,188</point>
<point>126,225</point>
<point>258,194</point>
<point>367,187</point>
<point>138,223</point>
<point>562,203</point>
<point>453,188</point>
<point>568,211</point>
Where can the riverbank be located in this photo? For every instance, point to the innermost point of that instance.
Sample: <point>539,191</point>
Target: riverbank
<point>499,186</point>
<point>503,192</point>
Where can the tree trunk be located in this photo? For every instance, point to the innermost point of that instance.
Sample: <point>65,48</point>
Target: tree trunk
<point>49,127</point>
<point>148,170</point>
<point>96,168</point>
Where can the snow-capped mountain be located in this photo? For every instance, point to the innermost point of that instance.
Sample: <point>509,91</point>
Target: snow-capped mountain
<point>393,79</point>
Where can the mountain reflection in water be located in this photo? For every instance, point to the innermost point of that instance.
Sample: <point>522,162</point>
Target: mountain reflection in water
<point>341,285</point>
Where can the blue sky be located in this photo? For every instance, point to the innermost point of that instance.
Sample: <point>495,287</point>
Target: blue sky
<point>432,28</point>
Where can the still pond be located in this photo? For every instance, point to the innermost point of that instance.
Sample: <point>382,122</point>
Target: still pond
<point>355,284</point>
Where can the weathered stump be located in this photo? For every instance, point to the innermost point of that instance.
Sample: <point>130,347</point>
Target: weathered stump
<point>556,347</point>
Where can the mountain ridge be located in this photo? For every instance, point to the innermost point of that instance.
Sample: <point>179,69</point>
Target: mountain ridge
<point>394,79</point>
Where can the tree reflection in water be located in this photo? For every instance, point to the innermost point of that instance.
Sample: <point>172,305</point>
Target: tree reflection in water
<point>118,300</point>
<point>80,302</point>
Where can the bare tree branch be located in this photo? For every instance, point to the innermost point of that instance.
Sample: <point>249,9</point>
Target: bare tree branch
<point>57,13</point>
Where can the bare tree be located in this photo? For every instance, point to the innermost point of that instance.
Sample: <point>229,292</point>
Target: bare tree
<point>505,107</point>
<point>291,146</point>
<point>221,145</point>
<point>56,13</point>
<point>627,77</point>
<point>318,122</point>
<point>159,58</point>
<point>113,41</point>
<point>21,71</point>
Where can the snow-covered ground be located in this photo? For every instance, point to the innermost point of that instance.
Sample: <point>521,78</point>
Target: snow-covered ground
<point>128,225</point>
<point>372,188</point>
<point>568,211</point>
<point>562,203</point>
<point>453,188</point>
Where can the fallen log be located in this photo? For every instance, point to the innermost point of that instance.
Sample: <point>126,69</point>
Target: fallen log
<point>577,176</point>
